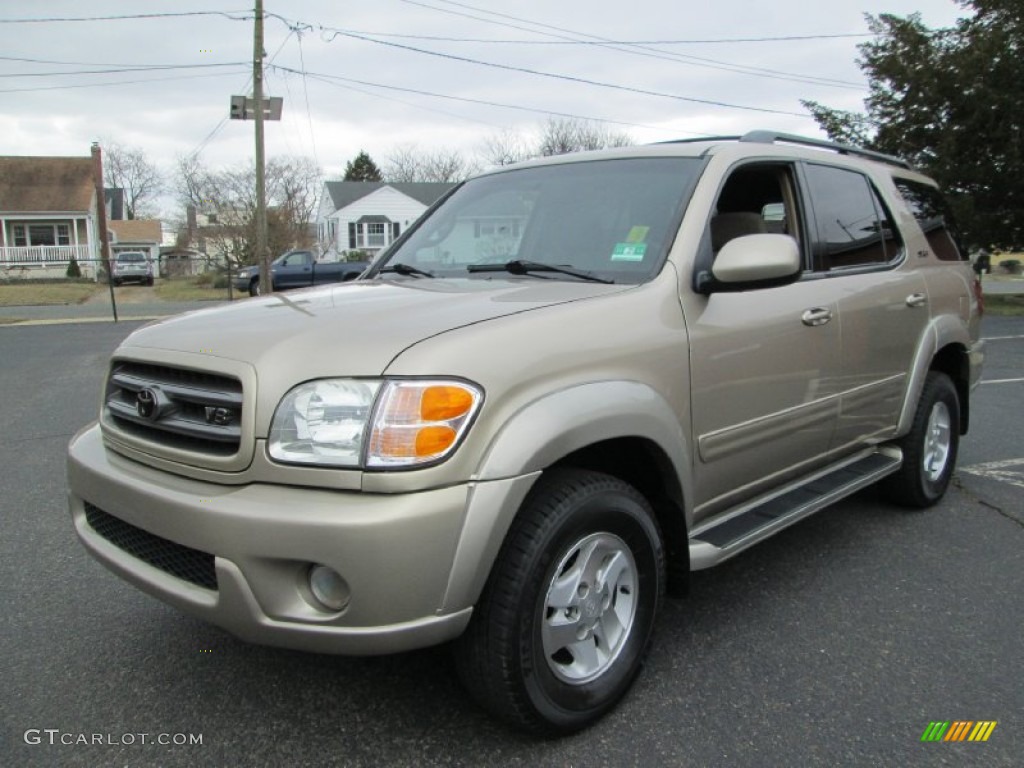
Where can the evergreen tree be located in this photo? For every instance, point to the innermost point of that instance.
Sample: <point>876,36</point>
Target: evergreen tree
<point>362,168</point>
<point>950,101</point>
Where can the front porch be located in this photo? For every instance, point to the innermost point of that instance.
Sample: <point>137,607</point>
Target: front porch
<point>45,260</point>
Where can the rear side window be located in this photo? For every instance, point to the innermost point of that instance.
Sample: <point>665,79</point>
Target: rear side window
<point>934,217</point>
<point>854,228</point>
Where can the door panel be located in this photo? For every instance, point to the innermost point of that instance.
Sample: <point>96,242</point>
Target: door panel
<point>764,387</point>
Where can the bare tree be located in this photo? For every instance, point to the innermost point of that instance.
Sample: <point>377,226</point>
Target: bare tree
<point>503,148</point>
<point>408,163</point>
<point>560,136</point>
<point>226,201</point>
<point>127,168</point>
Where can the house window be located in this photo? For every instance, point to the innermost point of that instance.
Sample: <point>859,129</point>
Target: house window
<point>41,234</point>
<point>376,234</point>
<point>18,232</point>
<point>63,234</point>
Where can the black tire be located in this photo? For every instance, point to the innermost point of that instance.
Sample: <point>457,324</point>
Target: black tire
<point>930,448</point>
<point>149,281</point>
<point>570,520</point>
<point>254,287</point>
<point>117,283</point>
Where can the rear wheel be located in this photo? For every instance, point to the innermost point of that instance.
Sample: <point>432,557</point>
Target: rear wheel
<point>930,448</point>
<point>565,620</point>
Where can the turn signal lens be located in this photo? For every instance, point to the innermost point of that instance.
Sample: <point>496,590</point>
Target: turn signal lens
<point>445,403</point>
<point>430,441</point>
<point>420,421</point>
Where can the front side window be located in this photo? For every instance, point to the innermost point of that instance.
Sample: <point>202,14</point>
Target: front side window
<point>854,228</point>
<point>756,199</point>
<point>612,218</point>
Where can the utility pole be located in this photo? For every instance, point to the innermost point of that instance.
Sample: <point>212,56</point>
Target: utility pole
<point>101,222</point>
<point>262,253</point>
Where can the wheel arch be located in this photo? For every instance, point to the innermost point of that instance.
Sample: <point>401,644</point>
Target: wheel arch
<point>621,428</point>
<point>944,347</point>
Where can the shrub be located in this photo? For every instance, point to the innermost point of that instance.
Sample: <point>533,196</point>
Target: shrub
<point>73,269</point>
<point>221,282</point>
<point>205,278</point>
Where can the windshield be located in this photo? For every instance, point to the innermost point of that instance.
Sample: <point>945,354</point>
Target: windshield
<point>614,219</point>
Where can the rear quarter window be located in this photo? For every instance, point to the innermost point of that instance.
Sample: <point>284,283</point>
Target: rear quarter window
<point>934,217</point>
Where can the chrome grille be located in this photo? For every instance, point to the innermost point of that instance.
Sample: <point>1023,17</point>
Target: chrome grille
<point>176,407</point>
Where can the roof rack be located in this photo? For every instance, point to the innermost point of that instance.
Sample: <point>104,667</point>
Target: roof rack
<point>771,137</point>
<point>700,140</point>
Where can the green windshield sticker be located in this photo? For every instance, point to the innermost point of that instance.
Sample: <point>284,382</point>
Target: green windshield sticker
<point>637,234</point>
<point>629,252</point>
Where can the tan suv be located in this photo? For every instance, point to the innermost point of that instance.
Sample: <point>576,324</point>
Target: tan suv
<point>570,384</point>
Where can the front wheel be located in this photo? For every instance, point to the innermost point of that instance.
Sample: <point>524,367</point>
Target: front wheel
<point>254,287</point>
<point>930,448</point>
<point>564,623</point>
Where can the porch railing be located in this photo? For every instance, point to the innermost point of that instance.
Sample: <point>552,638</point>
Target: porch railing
<point>28,255</point>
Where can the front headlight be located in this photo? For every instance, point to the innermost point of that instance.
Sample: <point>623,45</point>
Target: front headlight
<point>372,423</point>
<point>244,274</point>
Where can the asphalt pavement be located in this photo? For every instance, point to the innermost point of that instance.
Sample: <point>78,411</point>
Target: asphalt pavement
<point>835,643</point>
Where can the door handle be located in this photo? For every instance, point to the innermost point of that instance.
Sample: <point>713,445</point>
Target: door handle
<point>917,300</point>
<point>816,316</point>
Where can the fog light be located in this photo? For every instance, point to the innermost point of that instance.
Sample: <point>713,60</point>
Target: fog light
<point>329,589</point>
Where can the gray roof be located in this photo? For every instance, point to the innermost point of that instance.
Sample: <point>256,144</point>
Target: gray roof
<point>344,193</point>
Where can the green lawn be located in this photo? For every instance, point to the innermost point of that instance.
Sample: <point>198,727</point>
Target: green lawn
<point>34,294</point>
<point>190,289</point>
<point>1005,304</point>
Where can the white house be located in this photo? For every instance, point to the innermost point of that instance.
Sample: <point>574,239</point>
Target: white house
<point>368,216</point>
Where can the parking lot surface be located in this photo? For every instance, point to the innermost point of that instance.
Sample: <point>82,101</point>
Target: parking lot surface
<point>836,642</point>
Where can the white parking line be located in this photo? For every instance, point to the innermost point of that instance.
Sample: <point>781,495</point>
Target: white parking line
<point>1007,471</point>
<point>1002,381</point>
<point>1000,338</point>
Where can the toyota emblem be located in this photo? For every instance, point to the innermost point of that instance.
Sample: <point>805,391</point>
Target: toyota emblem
<point>147,404</point>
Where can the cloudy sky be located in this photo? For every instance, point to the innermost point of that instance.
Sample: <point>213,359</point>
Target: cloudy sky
<point>437,74</point>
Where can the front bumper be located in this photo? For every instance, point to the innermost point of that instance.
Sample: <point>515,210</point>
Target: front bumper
<point>414,563</point>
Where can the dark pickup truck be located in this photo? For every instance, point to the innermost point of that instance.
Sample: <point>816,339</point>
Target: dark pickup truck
<point>299,269</point>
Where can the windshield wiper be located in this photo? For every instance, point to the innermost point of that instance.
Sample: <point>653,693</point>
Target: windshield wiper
<point>405,269</point>
<point>519,267</point>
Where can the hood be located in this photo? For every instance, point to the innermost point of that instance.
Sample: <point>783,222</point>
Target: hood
<point>352,329</point>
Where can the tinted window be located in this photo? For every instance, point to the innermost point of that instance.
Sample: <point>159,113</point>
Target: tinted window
<point>615,218</point>
<point>854,228</point>
<point>130,257</point>
<point>934,217</point>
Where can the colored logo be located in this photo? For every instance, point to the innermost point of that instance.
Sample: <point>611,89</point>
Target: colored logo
<point>958,730</point>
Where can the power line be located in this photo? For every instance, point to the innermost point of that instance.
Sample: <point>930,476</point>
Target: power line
<point>636,49</point>
<point>121,17</point>
<point>567,78</point>
<point>695,41</point>
<point>305,90</point>
<point>153,68</point>
<point>113,82</point>
<point>339,81</point>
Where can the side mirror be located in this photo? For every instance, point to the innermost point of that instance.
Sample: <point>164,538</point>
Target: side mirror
<point>751,262</point>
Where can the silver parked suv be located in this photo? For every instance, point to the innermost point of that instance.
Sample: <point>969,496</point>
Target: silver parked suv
<point>573,382</point>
